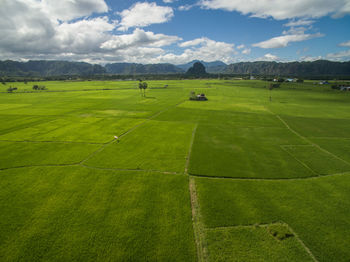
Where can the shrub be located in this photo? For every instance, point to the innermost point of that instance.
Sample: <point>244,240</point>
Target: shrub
<point>11,89</point>
<point>36,87</point>
<point>280,231</point>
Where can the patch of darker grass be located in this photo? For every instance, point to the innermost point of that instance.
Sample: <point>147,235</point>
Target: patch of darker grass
<point>280,231</point>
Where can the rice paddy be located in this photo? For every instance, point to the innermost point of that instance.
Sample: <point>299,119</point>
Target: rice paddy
<point>93,171</point>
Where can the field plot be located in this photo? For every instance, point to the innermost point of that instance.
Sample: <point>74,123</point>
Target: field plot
<point>161,146</point>
<point>253,243</point>
<point>93,171</point>
<point>316,209</point>
<point>81,214</point>
<point>245,152</point>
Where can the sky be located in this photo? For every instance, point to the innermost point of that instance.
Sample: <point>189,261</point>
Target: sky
<point>175,31</point>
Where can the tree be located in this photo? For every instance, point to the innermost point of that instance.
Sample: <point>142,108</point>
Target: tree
<point>140,86</point>
<point>193,95</point>
<point>144,86</point>
<point>11,89</point>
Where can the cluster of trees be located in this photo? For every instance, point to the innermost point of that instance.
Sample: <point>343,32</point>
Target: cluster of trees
<point>37,87</point>
<point>143,86</point>
<point>272,86</point>
<point>11,89</point>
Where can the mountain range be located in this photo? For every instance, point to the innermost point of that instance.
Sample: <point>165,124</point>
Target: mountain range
<point>45,68</point>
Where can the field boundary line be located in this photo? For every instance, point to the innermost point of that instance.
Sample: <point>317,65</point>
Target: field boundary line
<point>302,243</point>
<point>62,142</point>
<point>92,167</point>
<point>242,226</point>
<point>97,151</point>
<point>267,179</point>
<point>190,148</point>
<point>198,226</point>
<point>23,126</point>
<point>329,137</point>
<point>299,161</point>
<point>132,170</point>
<point>306,139</point>
<point>29,166</point>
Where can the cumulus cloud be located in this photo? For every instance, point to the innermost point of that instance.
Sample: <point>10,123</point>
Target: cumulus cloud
<point>282,9</point>
<point>201,49</point>
<point>346,44</point>
<point>339,56</point>
<point>139,38</point>
<point>144,14</point>
<point>35,31</point>
<point>300,22</point>
<point>268,57</point>
<point>241,46</point>
<point>185,7</point>
<point>246,51</point>
<point>67,9</point>
<point>283,41</point>
<point>310,58</point>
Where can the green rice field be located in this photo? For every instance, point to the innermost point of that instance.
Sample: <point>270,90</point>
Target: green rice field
<point>93,171</point>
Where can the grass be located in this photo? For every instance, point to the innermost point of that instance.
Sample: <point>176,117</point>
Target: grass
<point>80,214</point>
<point>269,179</point>
<point>232,245</point>
<point>155,145</point>
<point>315,208</point>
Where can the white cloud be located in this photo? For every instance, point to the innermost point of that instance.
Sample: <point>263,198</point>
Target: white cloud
<point>139,38</point>
<point>201,49</point>
<point>169,1</point>
<point>144,14</point>
<point>246,51</point>
<point>300,22</point>
<point>283,41</point>
<point>268,57</point>
<point>67,9</point>
<point>33,33</point>
<point>282,9</point>
<point>194,42</point>
<point>310,58</point>
<point>340,56</point>
<point>241,46</point>
<point>185,7</point>
<point>346,44</point>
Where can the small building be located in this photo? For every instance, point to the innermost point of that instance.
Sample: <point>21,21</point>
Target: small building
<point>345,88</point>
<point>324,83</point>
<point>202,97</point>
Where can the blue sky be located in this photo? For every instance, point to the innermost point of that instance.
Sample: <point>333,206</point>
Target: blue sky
<point>175,31</point>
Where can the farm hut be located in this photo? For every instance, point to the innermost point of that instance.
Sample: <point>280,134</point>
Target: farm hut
<point>202,97</point>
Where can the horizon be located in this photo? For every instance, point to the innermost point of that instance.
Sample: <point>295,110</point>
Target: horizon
<point>191,62</point>
<point>174,31</point>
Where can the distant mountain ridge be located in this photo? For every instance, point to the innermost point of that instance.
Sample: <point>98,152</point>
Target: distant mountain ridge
<point>47,68</point>
<point>315,68</point>
<point>132,68</point>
